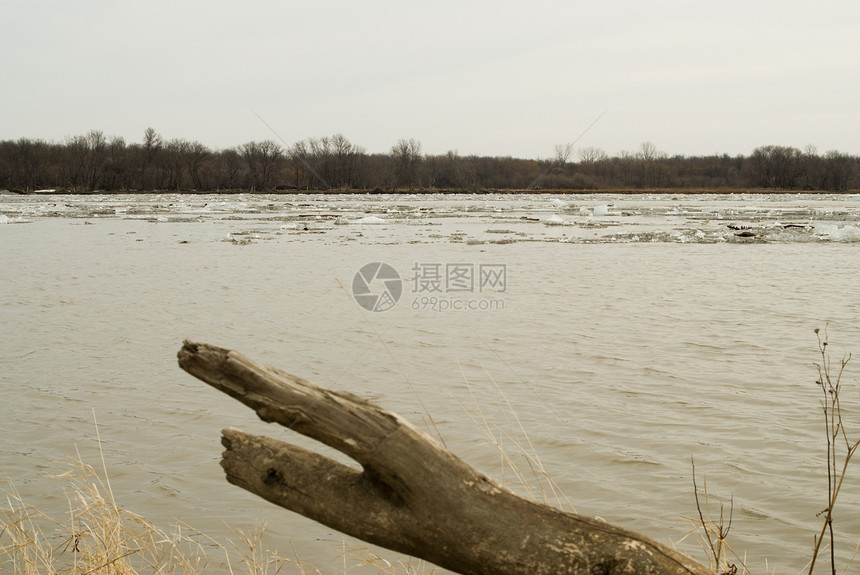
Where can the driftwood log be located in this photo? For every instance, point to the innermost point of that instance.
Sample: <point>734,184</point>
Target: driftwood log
<point>410,494</point>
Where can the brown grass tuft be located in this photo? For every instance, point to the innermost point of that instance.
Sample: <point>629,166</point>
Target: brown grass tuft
<point>95,538</point>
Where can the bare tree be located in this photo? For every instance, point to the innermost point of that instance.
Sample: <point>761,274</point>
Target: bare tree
<point>263,160</point>
<point>117,172</point>
<point>151,160</point>
<point>465,170</point>
<point>653,169</point>
<point>591,155</point>
<point>299,157</point>
<point>649,152</point>
<point>226,169</point>
<point>86,155</point>
<point>589,159</point>
<point>344,159</point>
<point>25,164</point>
<point>774,167</point>
<point>8,150</point>
<point>320,159</point>
<point>175,152</point>
<point>406,155</point>
<point>196,154</point>
<point>151,140</point>
<point>562,153</point>
<point>626,163</point>
<point>838,168</point>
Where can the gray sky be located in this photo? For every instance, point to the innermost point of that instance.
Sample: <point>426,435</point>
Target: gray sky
<point>480,77</point>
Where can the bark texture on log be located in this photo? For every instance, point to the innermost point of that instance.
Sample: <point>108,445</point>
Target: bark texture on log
<point>410,494</point>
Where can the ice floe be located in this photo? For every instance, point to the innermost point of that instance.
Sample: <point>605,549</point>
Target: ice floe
<point>569,218</point>
<point>371,220</point>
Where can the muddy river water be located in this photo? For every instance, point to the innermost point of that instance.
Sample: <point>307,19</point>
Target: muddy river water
<point>612,338</point>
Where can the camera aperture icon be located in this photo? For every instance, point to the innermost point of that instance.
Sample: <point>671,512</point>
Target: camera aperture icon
<point>377,286</point>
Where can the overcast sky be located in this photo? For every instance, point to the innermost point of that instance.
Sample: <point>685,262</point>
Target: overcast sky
<point>479,77</point>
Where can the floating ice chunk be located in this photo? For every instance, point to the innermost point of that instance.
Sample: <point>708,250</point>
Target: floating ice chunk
<point>4,219</point>
<point>839,232</point>
<point>341,221</point>
<point>554,220</point>
<point>601,210</point>
<point>557,203</point>
<point>371,220</point>
<point>583,211</point>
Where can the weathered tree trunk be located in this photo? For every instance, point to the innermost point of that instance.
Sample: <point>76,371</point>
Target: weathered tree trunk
<point>410,495</point>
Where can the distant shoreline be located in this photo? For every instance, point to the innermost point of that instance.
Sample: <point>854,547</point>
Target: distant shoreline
<point>450,191</point>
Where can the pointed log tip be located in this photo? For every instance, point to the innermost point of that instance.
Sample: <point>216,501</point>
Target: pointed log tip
<point>229,435</point>
<point>190,345</point>
<point>189,349</point>
<point>196,352</point>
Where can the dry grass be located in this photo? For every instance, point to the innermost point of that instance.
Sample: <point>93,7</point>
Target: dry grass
<point>95,537</point>
<point>518,456</point>
<point>840,448</point>
<point>714,533</point>
<point>98,537</point>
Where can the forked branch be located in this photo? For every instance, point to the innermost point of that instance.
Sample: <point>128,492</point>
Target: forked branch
<point>407,493</point>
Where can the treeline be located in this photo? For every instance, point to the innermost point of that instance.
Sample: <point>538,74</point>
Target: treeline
<point>95,162</point>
